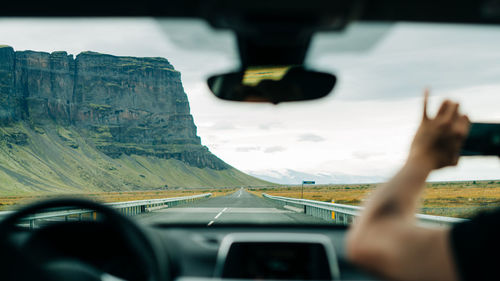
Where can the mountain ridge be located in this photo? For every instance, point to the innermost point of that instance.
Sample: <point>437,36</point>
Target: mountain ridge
<point>293,177</point>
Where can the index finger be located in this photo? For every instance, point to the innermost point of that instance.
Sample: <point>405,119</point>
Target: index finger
<point>426,99</point>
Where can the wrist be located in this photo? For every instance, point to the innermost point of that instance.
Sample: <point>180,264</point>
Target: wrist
<point>421,162</point>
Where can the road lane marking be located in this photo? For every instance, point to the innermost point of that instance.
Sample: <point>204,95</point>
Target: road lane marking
<point>210,223</point>
<point>295,209</point>
<point>218,215</point>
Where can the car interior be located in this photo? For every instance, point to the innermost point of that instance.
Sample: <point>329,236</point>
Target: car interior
<point>275,36</point>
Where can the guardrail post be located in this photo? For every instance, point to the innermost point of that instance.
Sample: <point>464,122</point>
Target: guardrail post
<point>32,224</point>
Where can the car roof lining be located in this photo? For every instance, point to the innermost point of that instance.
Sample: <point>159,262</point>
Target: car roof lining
<point>451,11</point>
<point>275,32</point>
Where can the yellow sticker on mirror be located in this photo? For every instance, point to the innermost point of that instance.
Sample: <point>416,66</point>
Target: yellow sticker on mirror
<point>253,75</point>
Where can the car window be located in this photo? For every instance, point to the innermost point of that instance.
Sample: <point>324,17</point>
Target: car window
<point>119,110</point>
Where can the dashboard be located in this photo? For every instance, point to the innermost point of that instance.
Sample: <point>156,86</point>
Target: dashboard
<point>258,252</point>
<point>195,252</point>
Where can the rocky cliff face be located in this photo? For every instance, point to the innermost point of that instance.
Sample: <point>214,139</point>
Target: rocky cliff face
<point>123,105</point>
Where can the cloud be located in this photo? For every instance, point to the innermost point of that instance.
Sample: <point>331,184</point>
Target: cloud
<point>443,57</point>
<point>311,138</point>
<point>273,149</point>
<point>365,154</point>
<point>269,126</point>
<point>247,148</point>
<point>221,126</point>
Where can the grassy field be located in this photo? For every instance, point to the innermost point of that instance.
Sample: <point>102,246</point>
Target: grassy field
<point>454,199</point>
<point>12,202</point>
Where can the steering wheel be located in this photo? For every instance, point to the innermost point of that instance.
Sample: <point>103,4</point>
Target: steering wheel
<point>17,262</point>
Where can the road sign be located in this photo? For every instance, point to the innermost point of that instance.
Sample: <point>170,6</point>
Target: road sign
<point>305,182</point>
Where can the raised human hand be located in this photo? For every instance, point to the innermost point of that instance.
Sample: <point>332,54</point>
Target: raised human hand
<point>438,140</point>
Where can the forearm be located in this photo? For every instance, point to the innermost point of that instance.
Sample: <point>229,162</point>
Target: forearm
<point>385,239</point>
<point>399,197</point>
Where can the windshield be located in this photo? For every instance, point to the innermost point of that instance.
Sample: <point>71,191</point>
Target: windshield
<point>119,110</point>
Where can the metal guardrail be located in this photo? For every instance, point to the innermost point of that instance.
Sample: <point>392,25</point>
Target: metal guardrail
<point>128,208</point>
<point>4,214</point>
<point>345,214</point>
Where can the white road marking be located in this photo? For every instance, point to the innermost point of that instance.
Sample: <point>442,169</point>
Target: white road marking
<point>218,215</point>
<point>210,223</point>
<point>295,209</point>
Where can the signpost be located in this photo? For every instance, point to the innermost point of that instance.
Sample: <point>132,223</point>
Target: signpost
<point>305,182</point>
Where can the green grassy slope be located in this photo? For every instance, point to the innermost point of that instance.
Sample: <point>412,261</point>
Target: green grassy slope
<point>59,159</point>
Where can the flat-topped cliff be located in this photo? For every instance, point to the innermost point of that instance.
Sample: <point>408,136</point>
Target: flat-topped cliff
<point>125,105</point>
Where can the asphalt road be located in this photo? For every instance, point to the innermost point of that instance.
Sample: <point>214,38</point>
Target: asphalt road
<point>238,207</point>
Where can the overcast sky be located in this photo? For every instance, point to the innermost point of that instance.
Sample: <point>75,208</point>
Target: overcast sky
<point>363,128</point>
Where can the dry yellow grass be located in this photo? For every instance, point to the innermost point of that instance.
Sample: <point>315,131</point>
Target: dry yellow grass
<point>11,202</point>
<point>458,199</point>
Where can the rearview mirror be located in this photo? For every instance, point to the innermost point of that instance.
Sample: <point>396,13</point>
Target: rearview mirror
<point>273,84</point>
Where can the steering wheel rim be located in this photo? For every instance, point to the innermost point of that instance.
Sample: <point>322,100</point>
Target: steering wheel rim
<point>136,239</point>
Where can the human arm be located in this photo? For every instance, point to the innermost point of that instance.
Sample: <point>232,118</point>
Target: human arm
<point>386,238</point>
